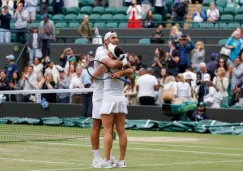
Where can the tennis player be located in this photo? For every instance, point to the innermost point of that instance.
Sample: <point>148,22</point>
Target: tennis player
<point>102,55</point>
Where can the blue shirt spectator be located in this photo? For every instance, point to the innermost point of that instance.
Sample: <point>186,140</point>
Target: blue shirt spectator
<point>11,66</point>
<point>179,12</point>
<point>199,15</point>
<point>211,66</point>
<point>234,43</point>
<point>86,79</point>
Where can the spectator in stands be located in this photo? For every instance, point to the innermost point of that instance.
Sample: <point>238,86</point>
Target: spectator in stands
<point>39,84</point>
<point>57,6</point>
<point>10,6</point>
<point>157,35</point>
<point>53,69</point>
<point>45,64</point>
<point>135,15</point>
<point>201,73</point>
<point>202,90</point>
<point>159,62</point>
<point>128,3</point>
<point>5,18</point>
<point>131,59</point>
<point>211,94</point>
<point>199,15</point>
<point>76,83</point>
<point>198,54</point>
<point>240,86</point>
<point>183,90</point>
<point>4,82</point>
<point>131,92</point>
<point>161,81</point>
<point>149,22</point>
<point>189,80</point>
<point>71,61</point>
<point>138,62</point>
<point>235,97</point>
<point>175,34</point>
<point>170,90</point>
<point>49,84</point>
<point>201,113</point>
<point>30,7</point>
<point>212,13</point>
<point>211,66</point>
<point>63,83</point>
<point>100,3</point>
<point>221,83</point>
<point>20,18</point>
<point>193,75</point>
<point>38,67</point>
<point>233,3</point>
<point>47,34</point>
<point>11,66</point>
<point>34,45</point>
<point>236,73</point>
<point>44,4</point>
<point>67,53</point>
<point>72,3</point>
<point>145,5</point>
<point>14,84</point>
<point>160,6</point>
<point>146,86</point>
<point>172,60</point>
<point>185,46</point>
<point>222,63</point>
<point>84,29</point>
<point>28,82</point>
<point>179,9</point>
<point>234,43</point>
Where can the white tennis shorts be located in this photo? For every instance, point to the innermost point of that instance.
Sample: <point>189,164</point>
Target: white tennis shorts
<point>96,109</point>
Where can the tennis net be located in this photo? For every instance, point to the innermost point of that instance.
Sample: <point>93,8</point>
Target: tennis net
<point>40,120</point>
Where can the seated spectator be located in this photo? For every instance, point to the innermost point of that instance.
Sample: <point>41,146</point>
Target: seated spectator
<point>157,34</point>
<point>221,83</point>
<point>72,61</point>
<point>199,15</point>
<point>4,82</point>
<point>149,22</point>
<point>11,66</point>
<point>170,90</point>
<point>236,73</point>
<point>57,6</point>
<point>63,83</point>
<point>159,62</point>
<point>38,67</point>
<point>201,73</point>
<point>235,100</point>
<point>45,64</point>
<point>234,43</point>
<point>100,3</point>
<point>72,72</point>
<point>160,8</point>
<point>146,6</point>
<point>67,53</point>
<point>84,29</point>
<point>189,80</point>
<point>179,9</point>
<point>211,66</point>
<point>138,62</point>
<point>183,90</point>
<point>44,4</point>
<point>10,6</point>
<point>198,54</point>
<point>14,84</point>
<point>30,7</point>
<point>211,96</point>
<point>135,15</point>
<point>146,86</point>
<point>5,18</point>
<point>34,45</point>
<point>49,84</point>
<point>201,113</point>
<point>175,34</point>
<point>161,81</point>
<point>172,60</point>
<point>202,89</point>
<point>53,69</point>
<point>222,63</point>
<point>193,75</point>
<point>212,13</point>
<point>39,84</point>
<point>72,3</point>
<point>131,92</point>
<point>233,3</point>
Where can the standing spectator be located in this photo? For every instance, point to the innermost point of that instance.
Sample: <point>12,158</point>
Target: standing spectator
<point>233,3</point>
<point>138,62</point>
<point>185,47</point>
<point>221,83</point>
<point>201,73</point>
<point>157,34</point>
<point>20,18</point>
<point>10,5</point>
<point>87,97</point>
<point>163,76</point>
<point>183,90</point>
<point>211,66</point>
<point>160,9</point>
<point>172,59</point>
<point>69,4</point>
<point>179,9</point>
<point>28,82</point>
<point>53,69</point>
<point>159,62</point>
<point>203,91</point>
<point>147,84</point>
<point>39,84</point>
<point>47,34</point>
<point>34,45</point>
<point>71,61</point>
<point>131,92</point>
<point>198,54</point>
<point>170,90</point>
<point>149,23</point>
<point>146,6</point>
<point>45,64</point>
<point>212,13</point>
<point>199,15</point>
<point>189,80</point>
<point>5,18</point>
<point>65,56</point>
<point>135,15</point>
<point>236,73</point>
<point>11,66</point>
<point>38,67</point>
<point>4,83</point>
<point>76,83</point>
<point>84,29</point>
<point>222,63</point>
<point>14,84</point>
<point>100,3</point>
<point>30,7</point>
<point>49,84</point>
<point>71,72</point>
<point>234,43</point>
<point>193,75</point>
<point>175,34</point>
<point>44,4</point>
<point>211,94</point>
<point>63,83</point>
<point>57,6</point>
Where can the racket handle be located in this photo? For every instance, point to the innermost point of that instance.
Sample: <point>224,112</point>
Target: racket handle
<point>125,80</point>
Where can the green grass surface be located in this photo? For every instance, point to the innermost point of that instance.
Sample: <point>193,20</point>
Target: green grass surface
<point>208,153</point>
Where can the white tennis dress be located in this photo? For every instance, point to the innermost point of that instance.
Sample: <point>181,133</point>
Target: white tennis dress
<point>98,85</point>
<point>114,100</point>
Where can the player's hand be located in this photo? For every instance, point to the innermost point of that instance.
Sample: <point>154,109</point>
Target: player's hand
<point>116,75</point>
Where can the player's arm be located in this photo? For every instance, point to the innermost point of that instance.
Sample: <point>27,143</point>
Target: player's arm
<point>124,72</point>
<point>99,71</point>
<point>112,63</point>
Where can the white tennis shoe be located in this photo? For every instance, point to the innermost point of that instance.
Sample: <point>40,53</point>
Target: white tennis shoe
<point>120,164</point>
<point>106,164</point>
<point>97,162</point>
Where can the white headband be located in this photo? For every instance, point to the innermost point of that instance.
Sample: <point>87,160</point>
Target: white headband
<point>109,34</point>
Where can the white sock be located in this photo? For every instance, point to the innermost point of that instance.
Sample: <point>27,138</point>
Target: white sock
<point>96,153</point>
<point>111,155</point>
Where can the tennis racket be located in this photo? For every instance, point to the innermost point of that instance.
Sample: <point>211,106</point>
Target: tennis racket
<point>94,64</point>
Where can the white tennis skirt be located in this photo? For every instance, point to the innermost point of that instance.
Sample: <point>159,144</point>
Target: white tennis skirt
<point>96,109</point>
<point>113,105</point>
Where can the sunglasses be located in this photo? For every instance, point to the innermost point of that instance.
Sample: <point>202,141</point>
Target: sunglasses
<point>221,61</point>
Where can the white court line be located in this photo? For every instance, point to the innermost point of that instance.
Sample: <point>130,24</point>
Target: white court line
<point>152,165</point>
<point>39,161</point>
<point>153,149</point>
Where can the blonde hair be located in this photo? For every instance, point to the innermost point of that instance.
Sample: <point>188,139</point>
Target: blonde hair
<point>175,28</point>
<point>222,70</point>
<point>201,44</point>
<point>181,78</point>
<point>235,33</point>
<point>169,79</point>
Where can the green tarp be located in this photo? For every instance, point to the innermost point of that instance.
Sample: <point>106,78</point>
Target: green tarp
<point>205,126</point>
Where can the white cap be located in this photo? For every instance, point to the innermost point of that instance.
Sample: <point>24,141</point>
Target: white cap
<point>109,34</point>
<point>188,77</point>
<point>206,77</point>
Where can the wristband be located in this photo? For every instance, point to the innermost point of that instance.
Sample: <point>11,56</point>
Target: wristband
<point>124,62</point>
